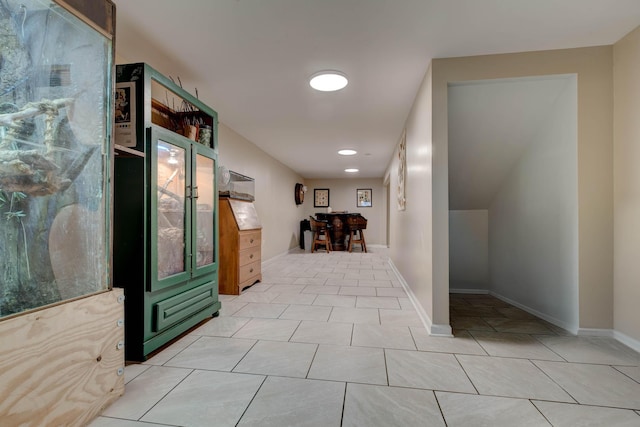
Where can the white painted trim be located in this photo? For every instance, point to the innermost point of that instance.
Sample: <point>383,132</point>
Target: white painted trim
<point>593,332</point>
<point>469,291</point>
<point>438,330</point>
<point>627,340</point>
<point>266,263</point>
<point>564,325</point>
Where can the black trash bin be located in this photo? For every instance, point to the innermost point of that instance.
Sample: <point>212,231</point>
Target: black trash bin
<point>305,225</point>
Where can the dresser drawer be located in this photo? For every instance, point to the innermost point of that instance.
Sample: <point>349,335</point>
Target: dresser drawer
<point>249,255</point>
<point>248,271</point>
<point>249,239</point>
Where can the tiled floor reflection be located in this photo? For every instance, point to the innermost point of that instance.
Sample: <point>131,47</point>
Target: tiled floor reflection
<point>333,340</point>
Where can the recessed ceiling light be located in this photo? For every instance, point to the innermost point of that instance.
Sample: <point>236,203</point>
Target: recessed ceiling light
<point>328,81</point>
<point>347,152</point>
<point>351,170</point>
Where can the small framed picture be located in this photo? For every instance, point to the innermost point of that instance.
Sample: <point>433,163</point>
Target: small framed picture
<point>125,114</point>
<point>320,197</point>
<point>364,198</point>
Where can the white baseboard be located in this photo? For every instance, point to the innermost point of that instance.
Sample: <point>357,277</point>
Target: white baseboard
<point>441,330</point>
<point>434,329</point>
<point>469,291</point>
<point>627,340</point>
<point>593,332</point>
<point>611,333</point>
<point>560,323</point>
<point>586,332</point>
<point>267,262</point>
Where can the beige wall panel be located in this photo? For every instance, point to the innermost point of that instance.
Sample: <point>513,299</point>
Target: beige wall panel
<point>274,188</point>
<point>626,59</point>
<point>595,157</point>
<point>427,271</point>
<point>342,197</point>
<point>412,230</point>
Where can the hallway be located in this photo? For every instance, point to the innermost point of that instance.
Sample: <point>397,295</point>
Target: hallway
<point>333,340</point>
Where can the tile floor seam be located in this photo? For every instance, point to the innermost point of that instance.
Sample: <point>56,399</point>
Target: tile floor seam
<point>533,362</point>
<point>623,373</point>
<point>455,356</point>
<point>540,412</point>
<point>165,395</point>
<point>344,401</point>
<point>252,399</point>
<point>435,396</point>
<point>536,337</point>
<point>586,405</point>
<point>180,351</point>
<point>245,355</point>
<point>315,353</point>
<point>414,338</point>
<point>138,422</point>
<point>351,337</point>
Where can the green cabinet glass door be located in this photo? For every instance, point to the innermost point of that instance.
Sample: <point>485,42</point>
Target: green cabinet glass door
<point>183,229</point>
<point>170,194</point>
<point>203,215</point>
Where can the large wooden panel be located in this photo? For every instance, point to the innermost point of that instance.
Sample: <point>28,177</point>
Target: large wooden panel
<point>60,366</point>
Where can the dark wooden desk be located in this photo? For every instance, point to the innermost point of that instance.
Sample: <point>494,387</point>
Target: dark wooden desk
<point>339,228</point>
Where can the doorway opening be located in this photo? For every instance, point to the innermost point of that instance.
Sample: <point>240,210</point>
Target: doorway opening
<point>513,194</point>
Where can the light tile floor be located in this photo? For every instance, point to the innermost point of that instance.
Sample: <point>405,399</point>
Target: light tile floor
<point>333,340</point>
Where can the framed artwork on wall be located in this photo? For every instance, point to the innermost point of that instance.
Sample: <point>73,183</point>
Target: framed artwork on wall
<point>402,171</point>
<point>320,197</point>
<point>363,198</point>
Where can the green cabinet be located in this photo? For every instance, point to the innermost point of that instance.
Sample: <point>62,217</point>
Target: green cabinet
<point>165,209</point>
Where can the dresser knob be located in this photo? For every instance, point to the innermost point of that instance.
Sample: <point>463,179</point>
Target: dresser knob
<point>251,271</point>
<point>251,256</point>
<point>251,241</point>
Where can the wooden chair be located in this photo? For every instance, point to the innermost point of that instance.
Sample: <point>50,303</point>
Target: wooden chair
<point>321,235</point>
<point>356,224</point>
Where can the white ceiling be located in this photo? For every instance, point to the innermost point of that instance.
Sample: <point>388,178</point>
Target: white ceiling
<point>250,60</point>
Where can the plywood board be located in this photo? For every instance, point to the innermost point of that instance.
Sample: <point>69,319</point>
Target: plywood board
<point>60,366</point>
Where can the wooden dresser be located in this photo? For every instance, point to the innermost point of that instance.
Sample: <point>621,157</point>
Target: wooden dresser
<point>240,246</point>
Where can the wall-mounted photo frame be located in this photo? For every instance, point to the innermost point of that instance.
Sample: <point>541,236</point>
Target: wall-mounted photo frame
<point>363,198</point>
<point>402,171</point>
<point>320,197</point>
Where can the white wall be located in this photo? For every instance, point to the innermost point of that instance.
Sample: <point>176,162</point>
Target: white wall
<point>533,221</point>
<point>274,187</point>
<point>468,250</point>
<point>626,59</point>
<point>342,197</point>
<point>413,230</point>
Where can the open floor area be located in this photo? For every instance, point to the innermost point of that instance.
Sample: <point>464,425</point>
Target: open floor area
<point>333,340</point>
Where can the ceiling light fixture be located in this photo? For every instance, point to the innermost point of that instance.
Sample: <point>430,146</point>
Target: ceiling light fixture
<point>352,170</point>
<point>347,152</point>
<point>328,81</point>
